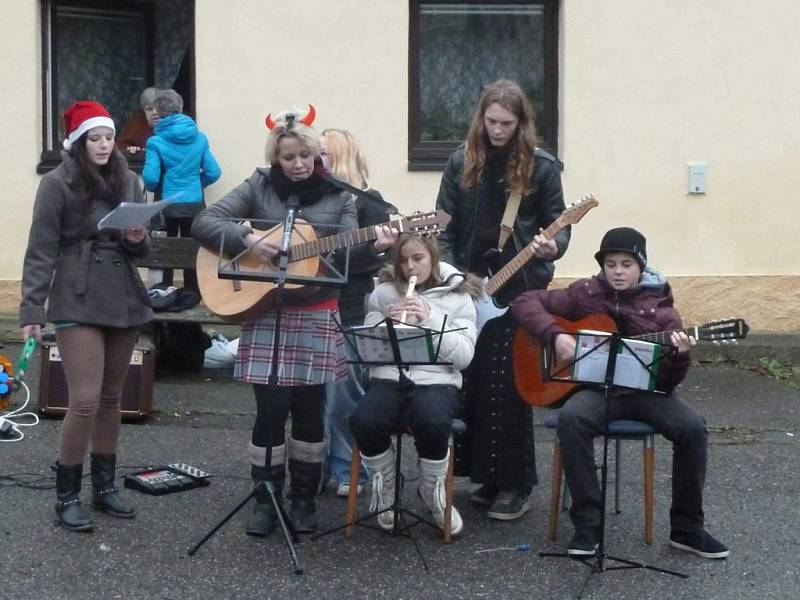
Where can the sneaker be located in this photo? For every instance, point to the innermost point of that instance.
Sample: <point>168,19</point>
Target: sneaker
<point>343,491</point>
<point>585,542</point>
<point>484,495</point>
<point>699,542</point>
<point>509,505</point>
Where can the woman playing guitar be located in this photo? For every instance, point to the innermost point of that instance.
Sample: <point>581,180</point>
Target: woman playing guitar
<point>500,177</point>
<point>311,348</point>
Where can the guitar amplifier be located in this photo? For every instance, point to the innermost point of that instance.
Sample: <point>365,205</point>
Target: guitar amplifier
<point>137,393</point>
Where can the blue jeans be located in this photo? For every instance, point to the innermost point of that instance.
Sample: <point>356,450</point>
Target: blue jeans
<point>341,399</point>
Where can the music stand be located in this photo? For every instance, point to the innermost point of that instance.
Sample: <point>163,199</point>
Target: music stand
<point>600,349</point>
<point>380,344</point>
<point>230,269</point>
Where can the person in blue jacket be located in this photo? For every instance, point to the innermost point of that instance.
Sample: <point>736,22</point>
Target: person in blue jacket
<point>180,162</point>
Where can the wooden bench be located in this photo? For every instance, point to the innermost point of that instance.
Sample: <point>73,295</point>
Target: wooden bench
<point>177,253</point>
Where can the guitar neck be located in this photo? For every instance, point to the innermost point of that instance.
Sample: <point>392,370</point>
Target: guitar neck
<point>664,337</point>
<point>500,278</point>
<point>334,242</point>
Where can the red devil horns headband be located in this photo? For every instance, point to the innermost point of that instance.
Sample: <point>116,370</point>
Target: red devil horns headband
<point>307,119</point>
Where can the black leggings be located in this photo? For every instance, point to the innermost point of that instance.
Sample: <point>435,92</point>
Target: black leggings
<point>273,405</point>
<point>427,410</point>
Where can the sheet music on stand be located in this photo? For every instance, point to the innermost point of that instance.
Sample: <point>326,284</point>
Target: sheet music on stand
<point>632,368</point>
<point>372,343</point>
<point>635,365</point>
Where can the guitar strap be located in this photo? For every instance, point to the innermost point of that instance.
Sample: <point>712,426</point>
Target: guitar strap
<point>346,186</point>
<point>509,216</point>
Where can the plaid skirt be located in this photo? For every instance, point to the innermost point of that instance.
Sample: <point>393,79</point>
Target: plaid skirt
<point>311,350</point>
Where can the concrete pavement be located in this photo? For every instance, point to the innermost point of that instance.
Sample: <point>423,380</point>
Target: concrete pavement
<point>204,419</point>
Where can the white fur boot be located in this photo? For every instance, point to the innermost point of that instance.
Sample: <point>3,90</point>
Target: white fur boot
<point>381,470</point>
<point>431,490</point>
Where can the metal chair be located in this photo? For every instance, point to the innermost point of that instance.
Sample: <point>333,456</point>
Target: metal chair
<point>618,431</point>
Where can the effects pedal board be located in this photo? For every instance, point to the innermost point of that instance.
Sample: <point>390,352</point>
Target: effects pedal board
<point>175,477</point>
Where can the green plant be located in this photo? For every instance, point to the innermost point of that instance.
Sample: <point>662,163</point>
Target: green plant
<point>772,367</point>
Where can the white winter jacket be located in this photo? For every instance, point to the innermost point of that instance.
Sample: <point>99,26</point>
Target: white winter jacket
<point>454,298</point>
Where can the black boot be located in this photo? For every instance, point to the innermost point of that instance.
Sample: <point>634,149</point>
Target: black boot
<point>262,520</point>
<point>304,514</point>
<point>305,468</point>
<point>104,493</point>
<point>70,511</point>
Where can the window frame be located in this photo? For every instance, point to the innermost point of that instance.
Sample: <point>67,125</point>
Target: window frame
<point>431,155</point>
<point>51,157</point>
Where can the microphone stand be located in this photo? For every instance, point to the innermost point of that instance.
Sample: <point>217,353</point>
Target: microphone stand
<point>615,343</point>
<point>266,488</point>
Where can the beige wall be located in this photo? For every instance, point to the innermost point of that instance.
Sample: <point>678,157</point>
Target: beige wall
<point>648,85</point>
<point>645,86</point>
<point>20,140</point>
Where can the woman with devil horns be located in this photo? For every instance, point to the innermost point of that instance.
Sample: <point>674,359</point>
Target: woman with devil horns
<point>311,349</point>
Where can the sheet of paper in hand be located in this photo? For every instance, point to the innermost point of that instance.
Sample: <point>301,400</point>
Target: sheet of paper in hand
<point>131,214</point>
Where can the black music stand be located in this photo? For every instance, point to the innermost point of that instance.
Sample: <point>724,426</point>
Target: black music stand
<point>604,351</point>
<point>231,269</point>
<point>377,345</point>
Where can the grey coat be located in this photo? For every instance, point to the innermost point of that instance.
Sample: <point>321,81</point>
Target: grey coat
<point>255,199</point>
<point>83,275</point>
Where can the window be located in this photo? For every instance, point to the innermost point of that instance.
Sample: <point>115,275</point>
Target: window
<point>456,48</point>
<point>109,51</point>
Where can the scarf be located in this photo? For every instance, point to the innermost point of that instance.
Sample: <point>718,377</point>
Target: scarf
<point>308,190</point>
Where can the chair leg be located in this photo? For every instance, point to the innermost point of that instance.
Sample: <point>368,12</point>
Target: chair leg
<point>352,497</point>
<point>617,474</point>
<point>649,498</point>
<point>555,490</point>
<point>448,493</point>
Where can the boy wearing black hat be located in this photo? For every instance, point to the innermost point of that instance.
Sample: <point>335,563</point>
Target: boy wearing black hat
<point>639,299</point>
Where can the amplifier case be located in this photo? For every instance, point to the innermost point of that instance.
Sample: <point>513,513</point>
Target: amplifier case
<point>137,394</point>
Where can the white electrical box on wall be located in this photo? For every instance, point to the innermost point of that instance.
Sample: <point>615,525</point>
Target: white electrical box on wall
<point>697,177</point>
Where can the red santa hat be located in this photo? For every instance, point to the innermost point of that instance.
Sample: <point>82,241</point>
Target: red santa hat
<point>83,116</point>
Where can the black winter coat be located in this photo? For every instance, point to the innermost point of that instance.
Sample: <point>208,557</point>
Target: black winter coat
<point>372,210</point>
<point>537,210</point>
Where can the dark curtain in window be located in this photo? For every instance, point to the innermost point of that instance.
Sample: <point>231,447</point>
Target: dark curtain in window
<point>463,47</point>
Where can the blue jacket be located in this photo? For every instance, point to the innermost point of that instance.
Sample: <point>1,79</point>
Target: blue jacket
<point>180,152</point>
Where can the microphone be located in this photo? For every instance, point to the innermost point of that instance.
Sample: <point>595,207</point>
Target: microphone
<point>288,224</point>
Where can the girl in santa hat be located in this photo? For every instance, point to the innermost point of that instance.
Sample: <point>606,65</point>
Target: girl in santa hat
<point>95,299</point>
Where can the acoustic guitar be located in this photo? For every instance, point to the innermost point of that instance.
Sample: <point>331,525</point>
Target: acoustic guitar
<point>242,299</point>
<point>529,369</point>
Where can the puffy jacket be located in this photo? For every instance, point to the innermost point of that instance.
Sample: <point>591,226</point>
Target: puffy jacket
<point>648,308</point>
<point>453,298</point>
<point>537,210</point>
<point>181,152</point>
